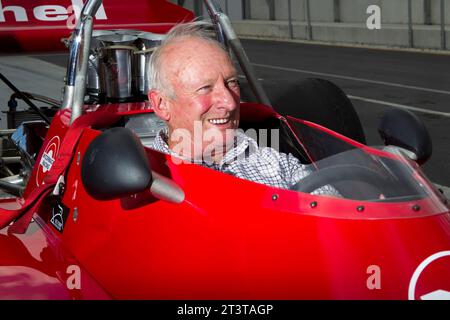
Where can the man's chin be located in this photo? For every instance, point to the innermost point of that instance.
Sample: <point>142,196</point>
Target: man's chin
<point>224,130</point>
<point>220,140</point>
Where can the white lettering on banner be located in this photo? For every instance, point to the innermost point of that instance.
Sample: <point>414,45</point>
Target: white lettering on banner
<point>78,5</point>
<point>19,13</point>
<point>48,12</point>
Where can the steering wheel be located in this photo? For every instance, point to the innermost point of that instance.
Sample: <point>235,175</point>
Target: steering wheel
<point>330,175</point>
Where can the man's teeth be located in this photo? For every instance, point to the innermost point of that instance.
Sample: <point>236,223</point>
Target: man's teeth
<point>219,121</point>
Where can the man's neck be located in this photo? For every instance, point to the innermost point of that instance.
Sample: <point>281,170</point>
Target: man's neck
<point>199,150</point>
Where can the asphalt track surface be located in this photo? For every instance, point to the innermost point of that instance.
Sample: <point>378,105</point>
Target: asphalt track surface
<point>375,80</point>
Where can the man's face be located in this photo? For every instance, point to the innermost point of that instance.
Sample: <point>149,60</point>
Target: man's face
<point>206,90</point>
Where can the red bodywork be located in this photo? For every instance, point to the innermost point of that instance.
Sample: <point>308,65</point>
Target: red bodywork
<point>229,239</point>
<point>22,32</point>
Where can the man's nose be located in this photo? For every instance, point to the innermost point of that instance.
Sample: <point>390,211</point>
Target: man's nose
<point>225,97</point>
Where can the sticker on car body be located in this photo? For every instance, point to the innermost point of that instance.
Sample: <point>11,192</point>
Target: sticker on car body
<point>433,272</point>
<point>48,158</point>
<point>59,216</point>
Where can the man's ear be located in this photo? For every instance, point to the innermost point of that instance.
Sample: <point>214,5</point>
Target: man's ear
<point>159,104</point>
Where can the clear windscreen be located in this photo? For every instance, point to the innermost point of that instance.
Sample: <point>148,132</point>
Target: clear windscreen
<point>356,171</point>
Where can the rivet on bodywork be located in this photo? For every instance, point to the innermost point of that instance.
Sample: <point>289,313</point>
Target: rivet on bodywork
<point>75,214</point>
<point>78,158</point>
<point>313,204</point>
<point>360,208</point>
<point>275,197</point>
<point>416,207</point>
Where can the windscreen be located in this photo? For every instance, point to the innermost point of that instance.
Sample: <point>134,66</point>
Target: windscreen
<point>356,171</point>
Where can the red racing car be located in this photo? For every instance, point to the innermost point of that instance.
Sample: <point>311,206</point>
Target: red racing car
<point>94,213</point>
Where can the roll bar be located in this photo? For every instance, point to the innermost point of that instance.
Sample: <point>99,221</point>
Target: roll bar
<point>80,42</point>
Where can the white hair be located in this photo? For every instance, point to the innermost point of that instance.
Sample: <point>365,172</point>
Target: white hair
<point>156,78</point>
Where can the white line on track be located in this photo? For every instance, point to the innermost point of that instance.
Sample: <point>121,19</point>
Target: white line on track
<point>401,106</point>
<point>392,84</point>
<point>390,104</point>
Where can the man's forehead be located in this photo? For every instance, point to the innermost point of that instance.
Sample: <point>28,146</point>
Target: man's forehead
<point>188,50</point>
<point>191,43</point>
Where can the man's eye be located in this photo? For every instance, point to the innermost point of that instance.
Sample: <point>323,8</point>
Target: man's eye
<point>234,83</point>
<point>204,89</point>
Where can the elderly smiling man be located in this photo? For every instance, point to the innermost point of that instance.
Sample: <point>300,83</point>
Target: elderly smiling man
<point>195,90</point>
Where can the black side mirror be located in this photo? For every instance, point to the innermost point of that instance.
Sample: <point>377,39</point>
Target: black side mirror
<point>404,129</point>
<point>115,165</point>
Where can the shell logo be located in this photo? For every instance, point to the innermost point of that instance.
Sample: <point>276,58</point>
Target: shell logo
<point>431,279</point>
<point>47,159</point>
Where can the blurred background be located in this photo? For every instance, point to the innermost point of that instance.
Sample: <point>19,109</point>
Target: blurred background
<point>404,23</point>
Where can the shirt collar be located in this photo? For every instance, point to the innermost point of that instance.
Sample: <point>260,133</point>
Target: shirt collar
<point>243,147</point>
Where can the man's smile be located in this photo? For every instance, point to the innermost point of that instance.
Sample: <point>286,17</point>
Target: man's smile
<point>218,121</point>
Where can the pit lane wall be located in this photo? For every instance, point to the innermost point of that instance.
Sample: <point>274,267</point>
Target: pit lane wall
<point>402,23</point>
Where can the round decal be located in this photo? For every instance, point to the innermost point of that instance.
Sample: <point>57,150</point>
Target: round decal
<point>431,280</point>
<point>47,159</point>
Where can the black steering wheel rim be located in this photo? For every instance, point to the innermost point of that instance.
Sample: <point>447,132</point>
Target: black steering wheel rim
<point>333,174</point>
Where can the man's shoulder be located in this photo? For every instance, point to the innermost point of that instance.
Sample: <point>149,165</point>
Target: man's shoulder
<point>160,142</point>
